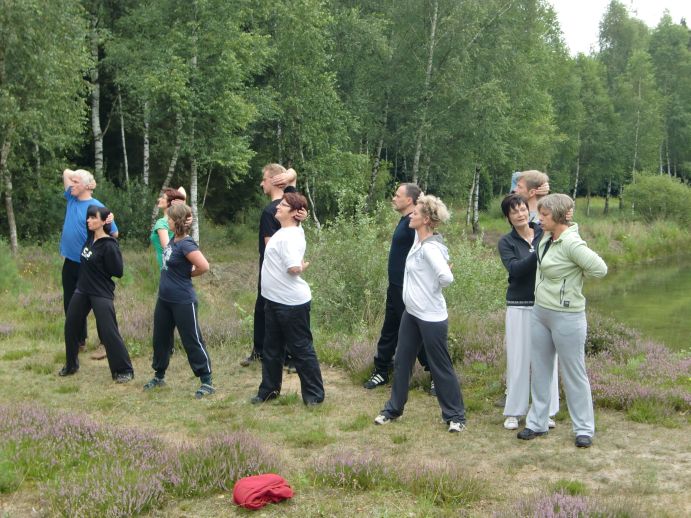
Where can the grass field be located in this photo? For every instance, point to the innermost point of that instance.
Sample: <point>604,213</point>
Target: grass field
<point>86,446</point>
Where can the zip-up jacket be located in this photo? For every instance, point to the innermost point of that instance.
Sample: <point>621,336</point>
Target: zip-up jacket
<point>520,261</point>
<point>426,273</point>
<point>562,264</point>
<point>100,260</point>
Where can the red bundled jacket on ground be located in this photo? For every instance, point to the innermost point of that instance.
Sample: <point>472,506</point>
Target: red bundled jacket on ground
<point>257,491</point>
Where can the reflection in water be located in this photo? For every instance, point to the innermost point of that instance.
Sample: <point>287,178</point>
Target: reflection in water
<point>653,298</point>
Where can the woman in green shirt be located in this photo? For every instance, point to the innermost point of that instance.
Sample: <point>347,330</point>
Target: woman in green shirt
<point>161,234</point>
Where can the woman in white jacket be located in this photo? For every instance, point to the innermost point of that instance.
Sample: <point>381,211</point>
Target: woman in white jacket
<point>425,320</point>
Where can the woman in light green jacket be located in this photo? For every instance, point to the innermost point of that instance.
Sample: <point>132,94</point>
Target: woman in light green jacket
<point>558,323</point>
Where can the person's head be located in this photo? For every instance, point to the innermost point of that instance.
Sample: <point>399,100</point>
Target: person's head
<point>429,212</point>
<point>553,209</point>
<point>96,217</point>
<point>170,196</point>
<point>405,197</point>
<point>515,210</point>
<point>268,172</point>
<point>82,181</point>
<point>290,204</point>
<point>178,215</point>
<point>529,181</point>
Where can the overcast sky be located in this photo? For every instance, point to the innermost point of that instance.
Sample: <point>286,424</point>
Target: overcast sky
<point>580,19</point>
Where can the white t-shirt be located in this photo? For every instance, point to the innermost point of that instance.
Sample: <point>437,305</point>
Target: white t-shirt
<point>285,249</point>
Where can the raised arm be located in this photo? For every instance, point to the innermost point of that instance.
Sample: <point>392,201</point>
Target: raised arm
<point>67,178</point>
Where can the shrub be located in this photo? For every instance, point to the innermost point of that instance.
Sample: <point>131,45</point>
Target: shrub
<point>659,197</point>
<point>10,280</point>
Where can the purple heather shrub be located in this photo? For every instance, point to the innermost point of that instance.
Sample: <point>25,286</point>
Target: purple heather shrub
<point>88,469</point>
<point>350,470</point>
<point>6,330</point>
<point>357,358</point>
<point>563,505</point>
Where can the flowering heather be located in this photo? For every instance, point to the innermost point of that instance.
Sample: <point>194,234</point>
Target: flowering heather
<point>562,505</point>
<point>87,469</point>
<point>478,340</point>
<point>6,330</point>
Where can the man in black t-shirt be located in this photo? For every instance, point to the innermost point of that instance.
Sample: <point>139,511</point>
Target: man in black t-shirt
<point>275,181</point>
<point>403,202</point>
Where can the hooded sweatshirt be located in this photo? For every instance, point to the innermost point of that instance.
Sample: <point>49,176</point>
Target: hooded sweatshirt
<point>100,260</point>
<point>561,268</point>
<point>426,273</point>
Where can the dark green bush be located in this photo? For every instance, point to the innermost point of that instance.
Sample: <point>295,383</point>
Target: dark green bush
<point>659,197</point>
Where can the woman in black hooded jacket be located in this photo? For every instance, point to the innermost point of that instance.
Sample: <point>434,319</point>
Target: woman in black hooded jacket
<point>100,261</point>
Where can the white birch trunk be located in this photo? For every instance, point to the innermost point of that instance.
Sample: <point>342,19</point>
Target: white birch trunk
<point>469,210</point>
<point>96,103</point>
<point>575,183</point>
<point>192,200</point>
<point>427,93</point>
<point>7,183</point>
<point>638,123</point>
<point>145,167</point>
<point>476,198</point>
<point>122,138</point>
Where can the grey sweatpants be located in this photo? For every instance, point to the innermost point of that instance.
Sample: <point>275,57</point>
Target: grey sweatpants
<point>413,334</point>
<point>562,333</point>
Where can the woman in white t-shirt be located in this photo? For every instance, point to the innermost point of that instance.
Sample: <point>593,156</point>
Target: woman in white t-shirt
<point>287,308</point>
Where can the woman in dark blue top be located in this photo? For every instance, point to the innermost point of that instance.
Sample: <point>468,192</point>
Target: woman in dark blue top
<point>517,251</point>
<point>100,261</point>
<point>177,304</point>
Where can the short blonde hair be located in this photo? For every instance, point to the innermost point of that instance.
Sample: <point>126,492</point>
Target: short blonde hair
<point>533,178</point>
<point>434,209</point>
<point>558,205</point>
<point>86,178</point>
<point>273,169</point>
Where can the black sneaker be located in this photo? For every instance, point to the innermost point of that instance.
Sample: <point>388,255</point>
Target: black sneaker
<point>124,377</point>
<point>253,357</point>
<point>68,371</point>
<point>584,441</point>
<point>528,435</point>
<point>258,400</point>
<point>375,381</point>
<point>154,383</point>
<point>206,389</point>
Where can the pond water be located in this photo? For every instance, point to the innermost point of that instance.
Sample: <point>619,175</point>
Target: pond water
<point>653,298</point>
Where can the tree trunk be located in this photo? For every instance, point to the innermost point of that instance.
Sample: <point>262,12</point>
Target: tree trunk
<point>96,103</point>
<point>206,189</point>
<point>587,204</point>
<point>669,168</point>
<point>192,200</point>
<point>607,196</point>
<point>638,123</point>
<point>145,166</point>
<point>7,183</point>
<point>476,198</point>
<point>427,93</point>
<point>279,141</point>
<point>171,166</point>
<point>470,201</point>
<point>122,138</point>
<point>308,191</point>
<point>575,183</point>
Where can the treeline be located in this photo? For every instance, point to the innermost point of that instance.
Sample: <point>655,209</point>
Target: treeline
<point>354,94</point>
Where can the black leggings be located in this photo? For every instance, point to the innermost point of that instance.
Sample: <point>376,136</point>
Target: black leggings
<point>168,316</point>
<point>70,275</point>
<point>107,325</point>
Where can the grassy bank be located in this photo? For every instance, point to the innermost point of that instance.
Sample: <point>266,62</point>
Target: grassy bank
<point>85,446</point>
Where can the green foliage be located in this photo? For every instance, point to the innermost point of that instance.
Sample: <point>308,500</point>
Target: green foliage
<point>10,280</point>
<point>659,197</point>
<point>131,207</point>
<point>348,276</point>
<point>569,487</point>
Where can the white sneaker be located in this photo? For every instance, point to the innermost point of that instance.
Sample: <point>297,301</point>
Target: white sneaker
<point>382,419</point>
<point>455,427</point>
<point>511,423</point>
<point>551,424</point>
